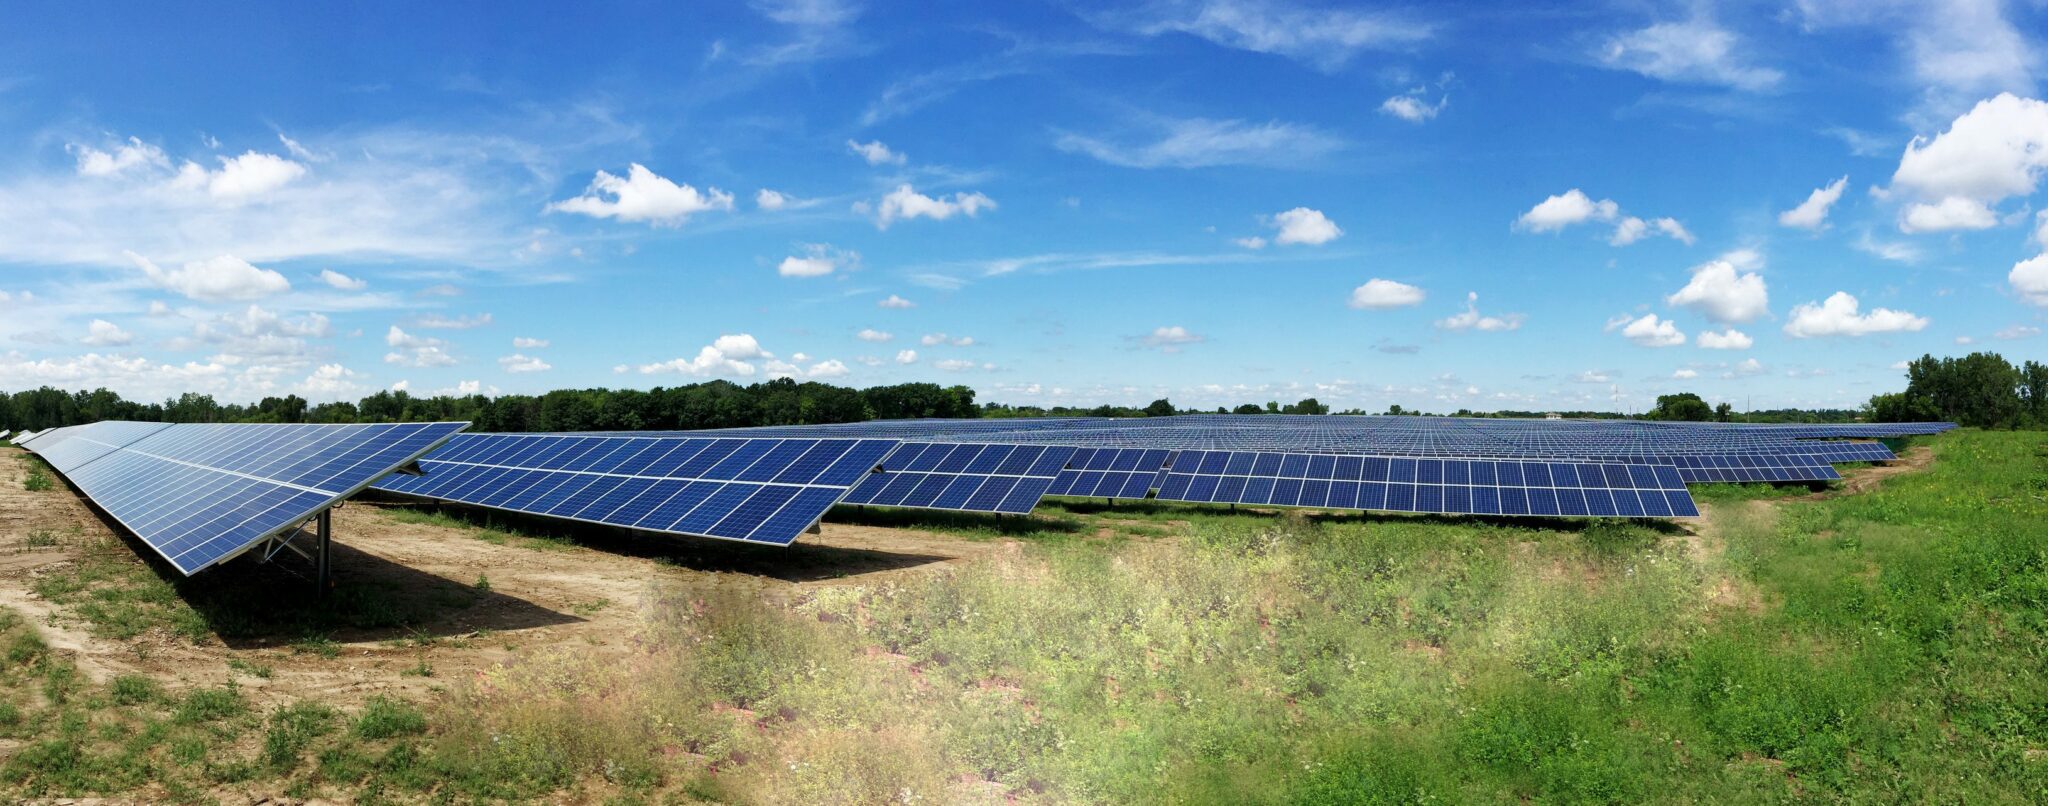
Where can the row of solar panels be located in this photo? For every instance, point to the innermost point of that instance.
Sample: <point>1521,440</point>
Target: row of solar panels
<point>200,494</point>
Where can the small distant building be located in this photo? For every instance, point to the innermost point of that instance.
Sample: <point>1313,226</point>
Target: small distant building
<point>1553,416</point>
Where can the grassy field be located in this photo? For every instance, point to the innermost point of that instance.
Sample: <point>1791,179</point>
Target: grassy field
<point>1882,646</point>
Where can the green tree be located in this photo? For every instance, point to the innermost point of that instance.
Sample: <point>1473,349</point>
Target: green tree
<point>1684,406</point>
<point>1159,408</point>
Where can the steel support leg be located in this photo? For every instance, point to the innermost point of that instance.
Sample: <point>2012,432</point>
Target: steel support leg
<point>322,570</point>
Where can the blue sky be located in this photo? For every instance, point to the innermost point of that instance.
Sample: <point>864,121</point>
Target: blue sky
<point>1217,202</point>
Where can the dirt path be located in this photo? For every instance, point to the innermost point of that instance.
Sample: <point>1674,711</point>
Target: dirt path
<point>1867,478</point>
<point>540,593</point>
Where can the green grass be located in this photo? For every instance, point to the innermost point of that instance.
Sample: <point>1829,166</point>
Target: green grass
<point>1885,646</point>
<point>38,478</point>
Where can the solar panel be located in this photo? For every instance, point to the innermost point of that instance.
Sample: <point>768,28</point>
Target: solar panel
<point>1447,486</point>
<point>965,477</point>
<point>756,490</point>
<point>1110,473</point>
<point>202,494</point>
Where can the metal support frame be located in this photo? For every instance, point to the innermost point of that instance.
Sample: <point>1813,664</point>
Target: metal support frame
<point>320,554</point>
<point>322,568</point>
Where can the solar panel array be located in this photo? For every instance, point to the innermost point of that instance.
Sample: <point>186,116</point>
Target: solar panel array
<point>736,483</point>
<point>756,490</point>
<point>201,494</point>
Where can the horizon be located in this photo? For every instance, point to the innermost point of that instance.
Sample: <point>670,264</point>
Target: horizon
<point>1214,203</point>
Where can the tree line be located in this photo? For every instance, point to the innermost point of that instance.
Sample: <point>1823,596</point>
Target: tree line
<point>1980,389</point>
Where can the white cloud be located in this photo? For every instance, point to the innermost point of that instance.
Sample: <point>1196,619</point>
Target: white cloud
<point>831,368</point>
<point>730,354</point>
<point>1412,108</point>
<point>1952,213</point>
<point>1895,251</point>
<point>518,362</point>
<point>409,350</point>
<point>645,196</point>
<point>435,321</point>
<point>2017,332</point>
<point>1573,206</point>
<point>1838,316</point>
<point>1748,367</point>
<point>893,301</point>
<point>1721,291</point>
<point>256,335</point>
<point>524,343</point>
<point>1250,242</point>
<point>1378,294</point>
<point>817,260</point>
<point>130,155</point>
<point>1965,341</point>
<point>1203,143</point>
<point>1470,319</point>
<point>1649,331</point>
<point>2029,279</point>
<point>1170,339</point>
<point>1697,51</point>
<point>906,357</point>
<point>876,153</point>
<point>935,339</point>
<point>1685,374</point>
<point>1812,214</point>
<point>330,382</point>
<point>1732,339</point>
<point>102,333</point>
<point>1326,38</point>
<point>221,278</point>
<point>1959,51</point>
<point>1994,151</point>
<point>906,203</point>
<point>873,335</point>
<point>953,364</point>
<point>1565,209</point>
<point>247,176</point>
<point>1302,225</point>
<point>341,281</point>
<point>772,200</point>
<point>133,376</point>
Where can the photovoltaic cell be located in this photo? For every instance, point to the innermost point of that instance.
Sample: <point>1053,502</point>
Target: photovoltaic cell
<point>757,490</point>
<point>201,494</point>
<point>1110,473</point>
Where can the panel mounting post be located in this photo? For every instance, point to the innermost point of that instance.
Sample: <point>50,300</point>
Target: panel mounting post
<point>322,568</point>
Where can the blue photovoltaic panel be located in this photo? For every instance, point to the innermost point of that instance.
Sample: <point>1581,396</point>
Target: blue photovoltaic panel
<point>202,494</point>
<point>966,477</point>
<point>757,490</point>
<point>1110,473</point>
<point>1421,484</point>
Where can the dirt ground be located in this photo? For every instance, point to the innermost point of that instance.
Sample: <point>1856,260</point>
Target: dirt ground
<point>541,594</point>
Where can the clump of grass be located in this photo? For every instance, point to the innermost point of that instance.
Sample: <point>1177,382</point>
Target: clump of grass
<point>319,646</point>
<point>37,480</point>
<point>291,729</point>
<point>129,689</point>
<point>385,718</point>
<point>40,538</point>
<point>251,668</point>
<point>209,705</point>
<point>419,669</point>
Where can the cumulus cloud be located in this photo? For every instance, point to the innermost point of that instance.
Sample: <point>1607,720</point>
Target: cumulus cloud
<point>1995,151</point>
<point>2016,332</point>
<point>1413,107</point>
<point>133,376</point>
<point>1573,207</point>
<point>524,343</point>
<point>831,368</point>
<point>1685,374</point>
<point>896,302</point>
<point>1650,331</point>
<point>218,279</point>
<point>730,354</point>
<point>342,282</point>
<point>906,356</point>
<point>518,362</point>
<point>123,158</point>
<point>1326,38</point>
<point>2029,279</point>
<point>1170,339</point>
<point>954,364</point>
<point>1723,291</point>
<point>1471,319</point>
<point>239,178</point>
<point>1731,339</point>
<point>1839,315</point>
<point>817,260</point>
<point>876,153</point>
<point>1250,242</point>
<point>1204,143</point>
<point>102,333</point>
<point>409,350</point>
<point>1812,214</point>
<point>873,335</point>
<point>906,203</point>
<point>936,339</point>
<point>1378,294</point>
<point>256,335</point>
<point>1697,51</point>
<point>643,196</point>
<point>770,200</point>
<point>330,382</point>
<point>1302,225</point>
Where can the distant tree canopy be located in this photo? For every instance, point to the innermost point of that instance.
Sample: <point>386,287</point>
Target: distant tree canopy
<point>1980,389</point>
<point>1684,406</point>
